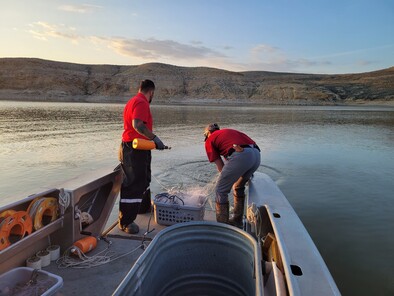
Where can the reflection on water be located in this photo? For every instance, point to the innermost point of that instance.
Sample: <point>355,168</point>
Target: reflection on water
<point>334,164</point>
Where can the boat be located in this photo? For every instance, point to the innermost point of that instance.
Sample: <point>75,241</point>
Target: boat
<point>192,254</point>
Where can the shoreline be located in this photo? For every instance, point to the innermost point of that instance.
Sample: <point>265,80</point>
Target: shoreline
<point>217,102</point>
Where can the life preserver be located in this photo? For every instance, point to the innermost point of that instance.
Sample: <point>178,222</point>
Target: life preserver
<point>6,214</point>
<point>16,223</point>
<point>40,207</point>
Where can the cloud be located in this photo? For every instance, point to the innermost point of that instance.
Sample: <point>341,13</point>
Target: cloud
<point>140,49</point>
<point>355,51</point>
<point>264,53</point>
<point>271,58</point>
<point>43,30</point>
<point>264,48</point>
<point>154,49</point>
<point>287,65</point>
<point>260,57</point>
<point>82,8</point>
<point>365,63</point>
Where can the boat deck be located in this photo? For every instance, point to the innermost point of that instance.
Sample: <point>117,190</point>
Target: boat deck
<point>104,279</point>
<point>292,263</point>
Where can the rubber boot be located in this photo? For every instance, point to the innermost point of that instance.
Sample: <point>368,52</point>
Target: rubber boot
<point>222,212</point>
<point>239,203</point>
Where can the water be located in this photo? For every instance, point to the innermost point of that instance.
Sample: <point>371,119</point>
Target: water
<point>334,164</point>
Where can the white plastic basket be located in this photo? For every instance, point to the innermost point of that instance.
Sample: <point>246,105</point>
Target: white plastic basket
<point>169,211</point>
<point>17,282</point>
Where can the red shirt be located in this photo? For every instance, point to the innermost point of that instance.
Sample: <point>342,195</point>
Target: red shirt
<point>136,108</point>
<point>221,141</point>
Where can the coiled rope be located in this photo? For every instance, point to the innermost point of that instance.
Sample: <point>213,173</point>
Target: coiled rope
<point>73,257</point>
<point>40,207</point>
<point>254,217</point>
<point>168,198</point>
<point>64,200</point>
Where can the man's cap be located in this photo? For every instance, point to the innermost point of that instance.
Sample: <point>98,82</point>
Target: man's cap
<point>210,129</point>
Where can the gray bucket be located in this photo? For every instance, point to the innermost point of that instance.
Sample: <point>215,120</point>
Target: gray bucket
<point>197,258</point>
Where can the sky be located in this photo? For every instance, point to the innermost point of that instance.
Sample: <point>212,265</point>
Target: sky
<point>299,36</point>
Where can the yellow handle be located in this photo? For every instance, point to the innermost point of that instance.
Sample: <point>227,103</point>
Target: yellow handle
<point>142,144</point>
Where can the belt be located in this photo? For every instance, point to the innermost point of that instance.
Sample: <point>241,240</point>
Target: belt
<point>128,144</point>
<point>232,150</point>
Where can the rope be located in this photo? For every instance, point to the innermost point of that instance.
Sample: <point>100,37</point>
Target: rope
<point>73,257</point>
<point>168,198</point>
<point>162,186</point>
<point>254,218</point>
<point>35,206</point>
<point>143,246</point>
<point>64,200</point>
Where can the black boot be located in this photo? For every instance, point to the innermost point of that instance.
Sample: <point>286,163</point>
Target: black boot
<point>222,212</point>
<point>239,203</point>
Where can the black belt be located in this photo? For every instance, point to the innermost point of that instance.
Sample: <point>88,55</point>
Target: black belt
<point>128,144</point>
<point>232,150</point>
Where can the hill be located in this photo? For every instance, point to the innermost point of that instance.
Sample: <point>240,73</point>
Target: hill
<point>43,80</point>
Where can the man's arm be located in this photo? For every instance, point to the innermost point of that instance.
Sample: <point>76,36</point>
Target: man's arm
<point>141,128</point>
<point>219,163</point>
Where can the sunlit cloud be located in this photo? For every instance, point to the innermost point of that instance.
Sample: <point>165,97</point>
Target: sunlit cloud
<point>141,49</point>
<point>262,57</point>
<point>154,49</point>
<point>43,31</point>
<point>82,8</point>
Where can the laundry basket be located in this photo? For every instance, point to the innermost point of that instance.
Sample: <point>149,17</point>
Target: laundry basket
<point>170,209</point>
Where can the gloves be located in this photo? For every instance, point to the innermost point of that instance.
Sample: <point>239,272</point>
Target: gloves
<point>159,144</point>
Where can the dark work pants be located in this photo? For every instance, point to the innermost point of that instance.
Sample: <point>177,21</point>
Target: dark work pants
<point>135,192</point>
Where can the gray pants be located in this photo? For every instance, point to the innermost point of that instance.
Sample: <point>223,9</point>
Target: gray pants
<point>236,172</point>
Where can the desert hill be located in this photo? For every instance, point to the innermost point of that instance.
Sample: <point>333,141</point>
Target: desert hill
<point>43,80</point>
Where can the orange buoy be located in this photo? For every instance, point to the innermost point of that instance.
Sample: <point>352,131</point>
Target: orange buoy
<point>6,213</point>
<point>41,207</point>
<point>27,222</point>
<point>143,144</point>
<point>18,223</point>
<point>86,244</point>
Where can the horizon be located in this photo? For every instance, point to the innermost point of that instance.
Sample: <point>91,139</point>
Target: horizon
<point>282,37</point>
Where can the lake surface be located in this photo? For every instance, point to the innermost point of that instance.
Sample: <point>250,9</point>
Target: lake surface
<point>334,164</point>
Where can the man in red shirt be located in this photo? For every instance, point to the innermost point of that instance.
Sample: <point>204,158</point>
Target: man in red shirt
<point>242,157</point>
<point>136,164</point>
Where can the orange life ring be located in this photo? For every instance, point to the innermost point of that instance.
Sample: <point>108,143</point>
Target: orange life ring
<point>17,223</point>
<point>7,213</point>
<point>40,207</point>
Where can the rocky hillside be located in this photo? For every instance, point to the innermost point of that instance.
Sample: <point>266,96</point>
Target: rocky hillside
<point>42,80</point>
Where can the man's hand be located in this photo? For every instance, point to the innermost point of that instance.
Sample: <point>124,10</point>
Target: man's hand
<point>159,144</point>
<point>219,164</point>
